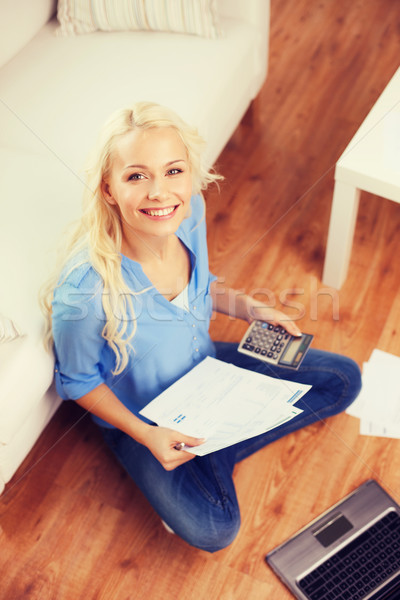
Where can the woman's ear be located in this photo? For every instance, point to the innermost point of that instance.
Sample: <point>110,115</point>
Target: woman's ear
<point>106,191</point>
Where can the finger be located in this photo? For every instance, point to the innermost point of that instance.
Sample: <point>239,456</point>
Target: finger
<point>289,325</point>
<point>189,441</point>
<point>179,446</point>
<point>291,328</point>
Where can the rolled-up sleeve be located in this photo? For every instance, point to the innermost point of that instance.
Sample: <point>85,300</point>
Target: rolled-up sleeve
<point>78,321</point>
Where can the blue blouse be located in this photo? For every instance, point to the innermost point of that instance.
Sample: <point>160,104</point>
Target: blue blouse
<point>169,340</point>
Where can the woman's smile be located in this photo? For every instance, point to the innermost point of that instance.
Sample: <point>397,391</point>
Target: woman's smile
<point>159,213</point>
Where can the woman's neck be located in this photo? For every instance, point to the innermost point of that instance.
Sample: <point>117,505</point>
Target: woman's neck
<point>149,249</point>
<point>165,261</point>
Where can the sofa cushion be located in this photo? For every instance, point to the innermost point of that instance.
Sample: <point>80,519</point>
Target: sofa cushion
<point>20,20</point>
<point>40,196</point>
<point>58,91</point>
<point>179,16</point>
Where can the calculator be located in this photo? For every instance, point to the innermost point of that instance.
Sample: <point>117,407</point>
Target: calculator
<point>274,345</point>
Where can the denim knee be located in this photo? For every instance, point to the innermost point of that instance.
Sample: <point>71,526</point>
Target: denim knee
<point>218,539</point>
<point>213,536</point>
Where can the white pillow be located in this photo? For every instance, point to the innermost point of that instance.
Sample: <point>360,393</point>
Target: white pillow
<point>197,17</point>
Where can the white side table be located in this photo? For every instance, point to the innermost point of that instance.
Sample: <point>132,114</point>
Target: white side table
<point>371,162</point>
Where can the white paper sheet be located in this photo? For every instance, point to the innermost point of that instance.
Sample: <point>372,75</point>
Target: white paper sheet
<point>378,404</point>
<point>224,404</point>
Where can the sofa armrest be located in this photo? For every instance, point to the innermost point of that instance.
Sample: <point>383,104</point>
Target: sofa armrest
<point>257,14</point>
<point>20,21</point>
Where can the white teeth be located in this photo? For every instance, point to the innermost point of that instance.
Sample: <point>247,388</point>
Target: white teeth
<point>160,213</point>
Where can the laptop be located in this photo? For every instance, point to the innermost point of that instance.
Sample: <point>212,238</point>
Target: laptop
<point>351,552</point>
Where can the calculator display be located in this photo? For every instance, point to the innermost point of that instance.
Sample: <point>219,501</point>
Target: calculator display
<point>291,351</point>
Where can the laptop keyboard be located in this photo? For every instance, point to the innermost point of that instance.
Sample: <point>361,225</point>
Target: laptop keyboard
<point>360,567</point>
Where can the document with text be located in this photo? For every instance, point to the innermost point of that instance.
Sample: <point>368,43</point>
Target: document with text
<point>378,404</point>
<point>224,404</point>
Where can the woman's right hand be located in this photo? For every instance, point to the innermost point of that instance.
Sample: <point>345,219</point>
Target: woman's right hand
<point>103,403</point>
<point>161,442</point>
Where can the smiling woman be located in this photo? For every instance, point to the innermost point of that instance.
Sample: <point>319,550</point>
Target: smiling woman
<point>130,313</point>
<point>99,237</point>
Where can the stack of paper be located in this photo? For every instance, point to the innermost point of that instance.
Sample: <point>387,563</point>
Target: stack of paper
<point>378,405</point>
<point>224,404</point>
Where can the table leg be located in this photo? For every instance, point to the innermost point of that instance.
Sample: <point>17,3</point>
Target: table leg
<point>340,235</point>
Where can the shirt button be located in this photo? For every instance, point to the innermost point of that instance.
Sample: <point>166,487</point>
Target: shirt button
<point>195,338</point>
<point>196,349</point>
<point>193,325</point>
<point>194,307</point>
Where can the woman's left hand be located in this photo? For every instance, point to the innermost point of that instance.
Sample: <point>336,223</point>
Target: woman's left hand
<point>242,306</point>
<point>273,316</point>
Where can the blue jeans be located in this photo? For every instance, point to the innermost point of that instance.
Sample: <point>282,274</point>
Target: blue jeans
<point>198,499</point>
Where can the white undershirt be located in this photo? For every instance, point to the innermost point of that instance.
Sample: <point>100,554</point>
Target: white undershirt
<point>182,299</point>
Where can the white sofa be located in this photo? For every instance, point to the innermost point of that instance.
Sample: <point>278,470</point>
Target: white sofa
<point>55,92</point>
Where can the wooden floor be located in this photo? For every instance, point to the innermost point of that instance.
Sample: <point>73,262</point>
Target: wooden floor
<point>72,525</point>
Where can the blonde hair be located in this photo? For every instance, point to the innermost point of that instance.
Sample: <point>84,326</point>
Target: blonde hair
<point>99,230</point>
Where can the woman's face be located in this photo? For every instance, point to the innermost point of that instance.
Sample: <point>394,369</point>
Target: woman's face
<point>150,181</point>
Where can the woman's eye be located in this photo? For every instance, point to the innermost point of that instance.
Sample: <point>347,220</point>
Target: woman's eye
<point>135,177</point>
<point>174,171</point>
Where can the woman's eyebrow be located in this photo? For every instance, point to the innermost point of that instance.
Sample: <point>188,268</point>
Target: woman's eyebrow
<point>135,167</point>
<point>175,161</point>
<point>168,164</point>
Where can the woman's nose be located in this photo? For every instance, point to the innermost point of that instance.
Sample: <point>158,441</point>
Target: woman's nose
<point>158,190</point>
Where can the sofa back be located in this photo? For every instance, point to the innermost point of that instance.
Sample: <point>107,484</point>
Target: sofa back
<point>20,20</point>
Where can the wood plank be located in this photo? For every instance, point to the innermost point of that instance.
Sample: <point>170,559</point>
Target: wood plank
<point>389,340</point>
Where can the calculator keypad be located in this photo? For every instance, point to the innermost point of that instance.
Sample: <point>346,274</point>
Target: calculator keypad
<point>266,340</point>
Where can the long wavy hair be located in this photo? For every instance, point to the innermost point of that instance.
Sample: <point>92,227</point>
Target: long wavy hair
<point>99,231</point>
